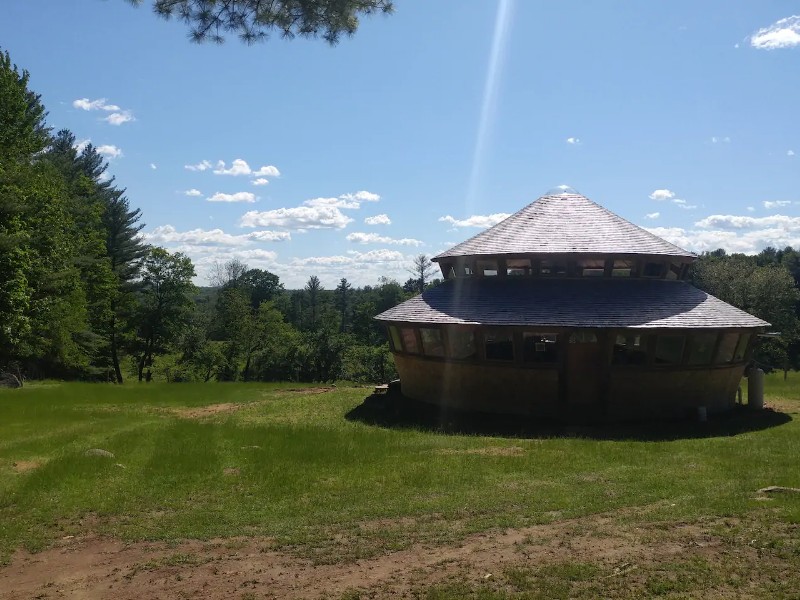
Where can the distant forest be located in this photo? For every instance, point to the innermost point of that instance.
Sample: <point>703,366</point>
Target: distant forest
<point>83,297</point>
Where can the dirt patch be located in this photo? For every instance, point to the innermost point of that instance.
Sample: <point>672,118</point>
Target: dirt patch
<point>23,466</point>
<point>93,567</point>
<point>311,390</point>
<point>202,412</point>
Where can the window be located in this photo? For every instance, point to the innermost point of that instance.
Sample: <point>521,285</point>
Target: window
<point>630,350</point>
<point>409,340</point>
<point>701,348</point>
<point>727,347</point>
<point>653,269</point>
<point>432,344</point>
<point>487,268</point>
<point>461,343</point>
<point>741,347</point>
<point>674,271</point>
<point>518,266</point>
<point>499,345</point>
<point>669,349</point>
<point>591,267</point>
<point>539,347</point>
<point>583,337</point>
<point>551,268</point>
<point>394,335</point>
<point>622,268</point>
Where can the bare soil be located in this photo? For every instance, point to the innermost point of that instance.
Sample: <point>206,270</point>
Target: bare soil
<point>94,567</point>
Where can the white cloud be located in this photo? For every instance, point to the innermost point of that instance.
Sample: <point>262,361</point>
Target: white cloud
<point>81,144</point>
<point>751,209</point>
<point>118,118</point>
<point>362,196</point>
<point>784,33</point>
<point>99,104</point>
<point>735,233</point>
<point>776,203</point>
<point>790,153</point>
<point>683,204</point>
<point>720,140</point>
<point>654,215</point>
<point>339,202</point>
<point>153,166</point>
<point>260,181</point>
<point>573,141</point>
<point>482,221</point>
<point>203,165</point>
<point>661,195</point>
<point>109,151</point>
<point>192,192</point>
<point>374,238</point>
<point>298,218</point>
<point>267,171</point>
<point>378,220</point>
<point>167,234</point>
<point>238,167</point>
<point>237,197</point>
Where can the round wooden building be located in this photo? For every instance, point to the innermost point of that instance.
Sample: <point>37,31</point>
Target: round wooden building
<point>566,309</point>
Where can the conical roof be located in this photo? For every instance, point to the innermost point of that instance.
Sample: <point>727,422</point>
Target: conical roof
<point>561,224</point>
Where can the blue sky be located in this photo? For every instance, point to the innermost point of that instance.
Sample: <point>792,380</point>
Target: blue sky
<point>347,161</point>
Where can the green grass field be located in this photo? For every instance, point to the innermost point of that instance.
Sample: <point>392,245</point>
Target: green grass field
<point>308,470</point>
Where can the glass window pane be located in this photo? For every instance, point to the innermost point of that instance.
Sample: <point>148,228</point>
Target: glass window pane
<point>461,343</point>
<point>395,337</point>
<point>701,348</point>
<point>622,268</point>
<point>630,350</point>
<point>551,268</point>
<point>591,267</point>
<point>431,342</point>
<point>669,349</point>
<point>741,347</point>
<point>499,345</point>
<point>674,271</point>
<point>539,347</point>
<point>727,347</point>
<point>487,268</point>
<point>409,340</point>
<point>583,337</point>
<point>518,266</point>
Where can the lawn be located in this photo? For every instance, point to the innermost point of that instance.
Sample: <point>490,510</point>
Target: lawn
<point>321,476</point>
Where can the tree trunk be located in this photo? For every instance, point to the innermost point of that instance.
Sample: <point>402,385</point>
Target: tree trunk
<point>114,357</point>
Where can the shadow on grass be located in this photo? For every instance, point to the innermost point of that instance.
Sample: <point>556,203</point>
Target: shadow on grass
<point>395,411</point>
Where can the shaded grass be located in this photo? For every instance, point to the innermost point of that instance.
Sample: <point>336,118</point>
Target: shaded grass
<point>288,466</point>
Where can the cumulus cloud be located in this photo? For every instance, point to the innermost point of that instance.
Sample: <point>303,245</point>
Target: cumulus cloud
<point>378,220</point>
<point>784,33</point>
<point>653,215</point>
<point>168,235</point>
<point>790,153</point>
<point>362,196</point>
<point>260,181</point>
<point>298,218</point>
<point>118,118</point>
<point>720,140</point>
<point>661,195</point>
<point>374,238</point>
<point>192,192</point>
<point>81,144</point>
<point>339,202</point>
<point>573,141</point>
<point>683,204</point>
<point>109,151</point>
<point>482,221</point>
<point>153,166</point>
<point>240,167</point>
<point>735,233</point>
<point>776,204</point>
<point>203,165</point>
<point>99,104</point>
<point>237,197</point>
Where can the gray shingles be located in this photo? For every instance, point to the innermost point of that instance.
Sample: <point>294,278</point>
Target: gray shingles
<point>564,223</point>
<point>571,303</point>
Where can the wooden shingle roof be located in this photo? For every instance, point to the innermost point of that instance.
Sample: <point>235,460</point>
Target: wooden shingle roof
<point>585,303</point>
<point>564,223</point>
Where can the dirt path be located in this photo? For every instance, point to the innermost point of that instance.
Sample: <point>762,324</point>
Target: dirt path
<point>247,568</point>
